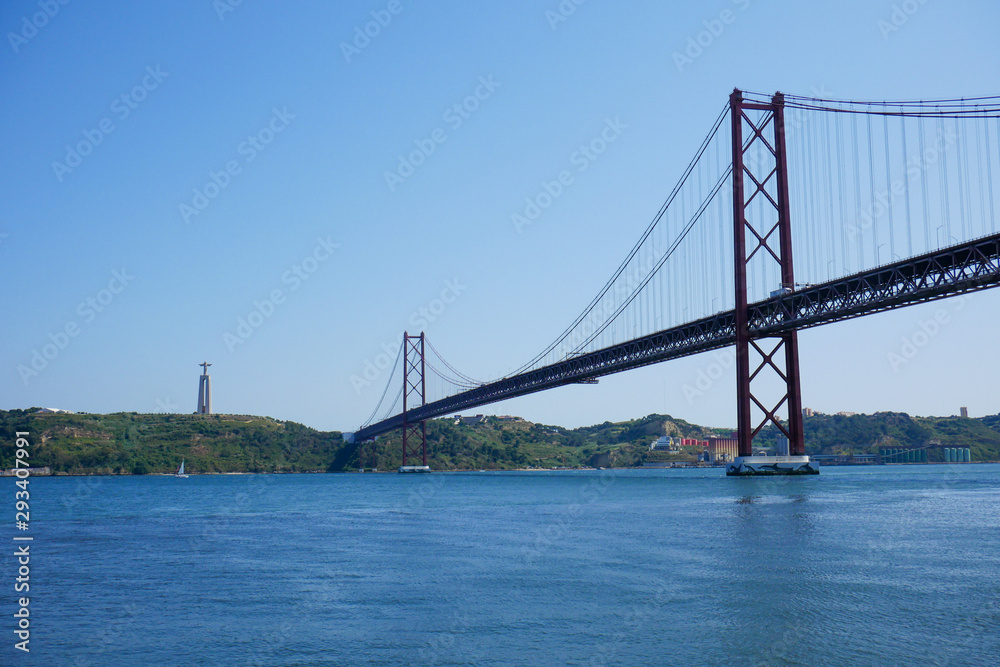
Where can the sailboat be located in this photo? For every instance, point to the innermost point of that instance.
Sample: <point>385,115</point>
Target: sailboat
<point>180,471</point>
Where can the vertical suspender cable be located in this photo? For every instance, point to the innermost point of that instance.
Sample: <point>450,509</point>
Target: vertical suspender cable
<point>923,162</point>
<point>829,190</point>
<point>840,204</point>
<point>989,169</point>
<point>965,187</point>
<point>906,189</point>
<point>968,183</point>
<point>871,181</point>
<point>815,196</point>
<point>961,157</point>
<point>943,187</point>
<point>979,170</point>
<point>858,226</point>
<point>889,188</point>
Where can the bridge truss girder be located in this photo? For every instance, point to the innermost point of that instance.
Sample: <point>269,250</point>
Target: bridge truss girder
<point>962,268</point>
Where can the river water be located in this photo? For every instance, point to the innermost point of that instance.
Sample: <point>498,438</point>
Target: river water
<point>888,565</point>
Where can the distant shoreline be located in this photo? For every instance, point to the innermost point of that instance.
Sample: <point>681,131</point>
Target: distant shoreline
<point>81,445</point>
<point>472,470</point>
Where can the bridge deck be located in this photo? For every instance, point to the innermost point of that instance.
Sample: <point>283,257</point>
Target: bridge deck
<point>955,270</point>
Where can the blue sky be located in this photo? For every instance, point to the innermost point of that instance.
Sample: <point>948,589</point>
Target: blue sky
<point>235,156</point>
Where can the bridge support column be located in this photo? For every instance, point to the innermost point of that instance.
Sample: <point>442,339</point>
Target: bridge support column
<point>761,211</point>
<point>414,388</point>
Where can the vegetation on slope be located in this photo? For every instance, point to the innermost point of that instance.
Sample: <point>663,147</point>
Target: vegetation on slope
<point>500,444</point>
<point>130,443</point>
<point>865,434</point>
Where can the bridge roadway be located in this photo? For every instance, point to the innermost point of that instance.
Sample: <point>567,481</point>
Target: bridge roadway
<point>958,269</point>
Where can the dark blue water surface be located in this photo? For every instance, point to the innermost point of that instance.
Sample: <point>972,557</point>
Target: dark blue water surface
<point>891,565</point>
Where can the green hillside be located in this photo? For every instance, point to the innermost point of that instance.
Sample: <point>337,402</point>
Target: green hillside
<point>500,444</point>
<point>130,443</point>
<point>864,434</point>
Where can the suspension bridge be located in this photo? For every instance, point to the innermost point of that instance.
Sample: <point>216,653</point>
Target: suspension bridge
<point>882,204</point>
